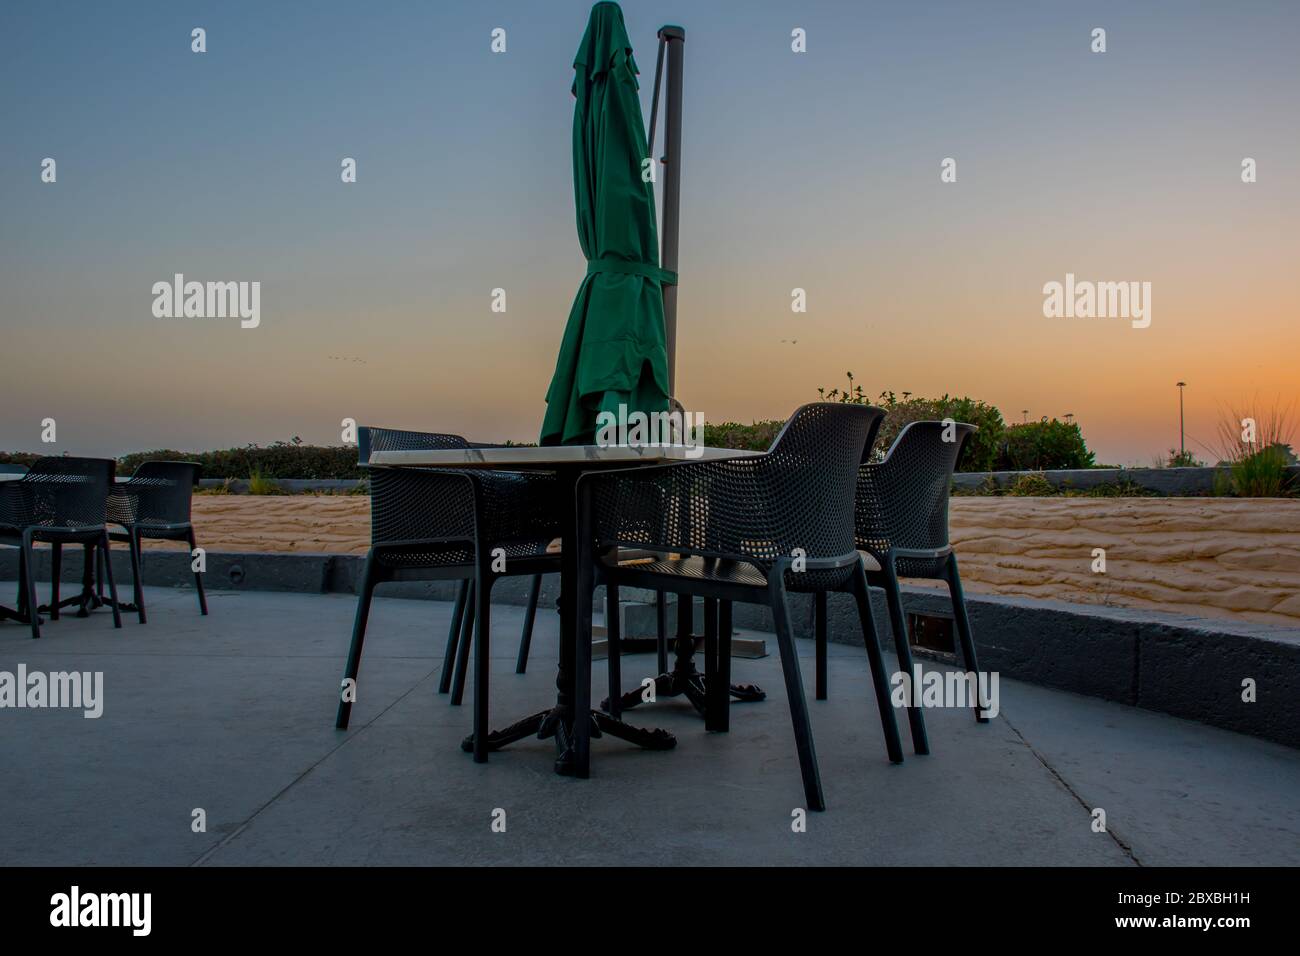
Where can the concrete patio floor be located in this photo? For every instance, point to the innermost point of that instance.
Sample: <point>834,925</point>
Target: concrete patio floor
<point>234,713</point>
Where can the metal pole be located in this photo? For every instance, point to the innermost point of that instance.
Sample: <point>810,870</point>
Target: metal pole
<point>672,160</point>
<point>1182,432</point>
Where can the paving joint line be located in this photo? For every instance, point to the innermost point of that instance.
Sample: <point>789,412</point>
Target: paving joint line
<point>1125,848</point>
<point>208,854</point>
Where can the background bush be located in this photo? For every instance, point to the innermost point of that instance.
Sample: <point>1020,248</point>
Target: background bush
<point>1043,445</point>
<point>278,461</point>
<point>757,436</point>
<point>980,453</point>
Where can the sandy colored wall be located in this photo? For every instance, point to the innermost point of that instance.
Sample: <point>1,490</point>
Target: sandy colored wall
<point>1203,556</point>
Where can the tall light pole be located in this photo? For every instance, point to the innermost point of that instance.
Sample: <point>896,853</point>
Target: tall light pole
<point>1182,433</point>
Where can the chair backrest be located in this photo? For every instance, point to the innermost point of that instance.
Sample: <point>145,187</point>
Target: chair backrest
<point>67,492</point>
<point>371,439</point>
<point>902,501</point>
<point>159,493</point>
<point>812,466</point>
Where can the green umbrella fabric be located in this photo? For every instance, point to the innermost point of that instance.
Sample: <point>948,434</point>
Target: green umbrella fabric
<point>613,350</point>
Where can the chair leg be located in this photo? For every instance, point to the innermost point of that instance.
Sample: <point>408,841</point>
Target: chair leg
<point>894,597</point>
<point>137,575</point>
<point>368,582</point>
<point>722,720</point>
<point>812,784</point>
<point>462,651</point>
<point>962,620</point>
<point>820,625</point>
<point>713,686</point>
<point>614,642</point>
<point>661,632</point>
<point>453,637</point>
<point>56,570</point>
<point>112,585</point>
<point>530,614</point>
<point>90,557</point>
<point>29,564</point>
<point>198,578</point>
<point>879,679</point>
<point>482,661</point>
<point>99,575</point>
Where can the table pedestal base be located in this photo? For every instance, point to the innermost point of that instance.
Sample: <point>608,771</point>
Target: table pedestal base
<point>557,723</point>
<point>22,617</point>
<point>690,683</point>
<point>685,679</point>
<point>85,602</point>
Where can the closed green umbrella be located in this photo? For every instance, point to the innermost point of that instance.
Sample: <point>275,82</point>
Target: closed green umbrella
<point>613,350</point>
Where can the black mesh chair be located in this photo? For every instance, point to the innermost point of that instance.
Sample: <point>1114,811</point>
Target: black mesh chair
<point>901,521</point>
<point>746,529</point>
<point>59,501</point>
<point>429,524</point>
<point>456,656</point>
<point>154,503</point>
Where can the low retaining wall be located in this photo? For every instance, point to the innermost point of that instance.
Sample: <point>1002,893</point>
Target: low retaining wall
<point>1165,481</point>
<point>1187,667</point>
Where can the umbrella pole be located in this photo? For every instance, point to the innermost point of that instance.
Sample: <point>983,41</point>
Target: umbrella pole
<point>675,38</point>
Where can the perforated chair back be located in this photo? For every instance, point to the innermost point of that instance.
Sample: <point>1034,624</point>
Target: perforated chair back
<point>65,493</point>
<point>902,502</point>
<point>417,520</point>
<point>371,439</point>
<point>812,465</point>
<point>158,494</point>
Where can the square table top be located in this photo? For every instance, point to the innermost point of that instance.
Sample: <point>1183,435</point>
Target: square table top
<point>553,456</point>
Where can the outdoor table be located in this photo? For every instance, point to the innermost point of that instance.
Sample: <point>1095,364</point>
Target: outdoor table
<point>567,462</point>
<point>87,599</point>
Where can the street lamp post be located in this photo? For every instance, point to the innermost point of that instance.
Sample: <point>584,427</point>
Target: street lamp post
<point>1182,432</point>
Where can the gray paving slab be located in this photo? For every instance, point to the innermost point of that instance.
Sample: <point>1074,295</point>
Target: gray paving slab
<point>233,713</point>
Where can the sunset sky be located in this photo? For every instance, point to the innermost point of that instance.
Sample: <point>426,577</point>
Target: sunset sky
<point>818,170</point>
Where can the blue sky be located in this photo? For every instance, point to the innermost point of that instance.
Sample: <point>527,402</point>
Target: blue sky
<point>817,170</point>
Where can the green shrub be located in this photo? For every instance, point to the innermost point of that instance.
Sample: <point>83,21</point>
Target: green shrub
<point>259,484</point>
<point>1043,445</point>
<point>756,436</point>
<point>1261,475</point>
<point>1031,486</point>
<point>1123,488</point>
<point>277,461</point>
<point>988,488</point>
<point>1182,459</point>
<point>979,453</point>
<point>25,458</point>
